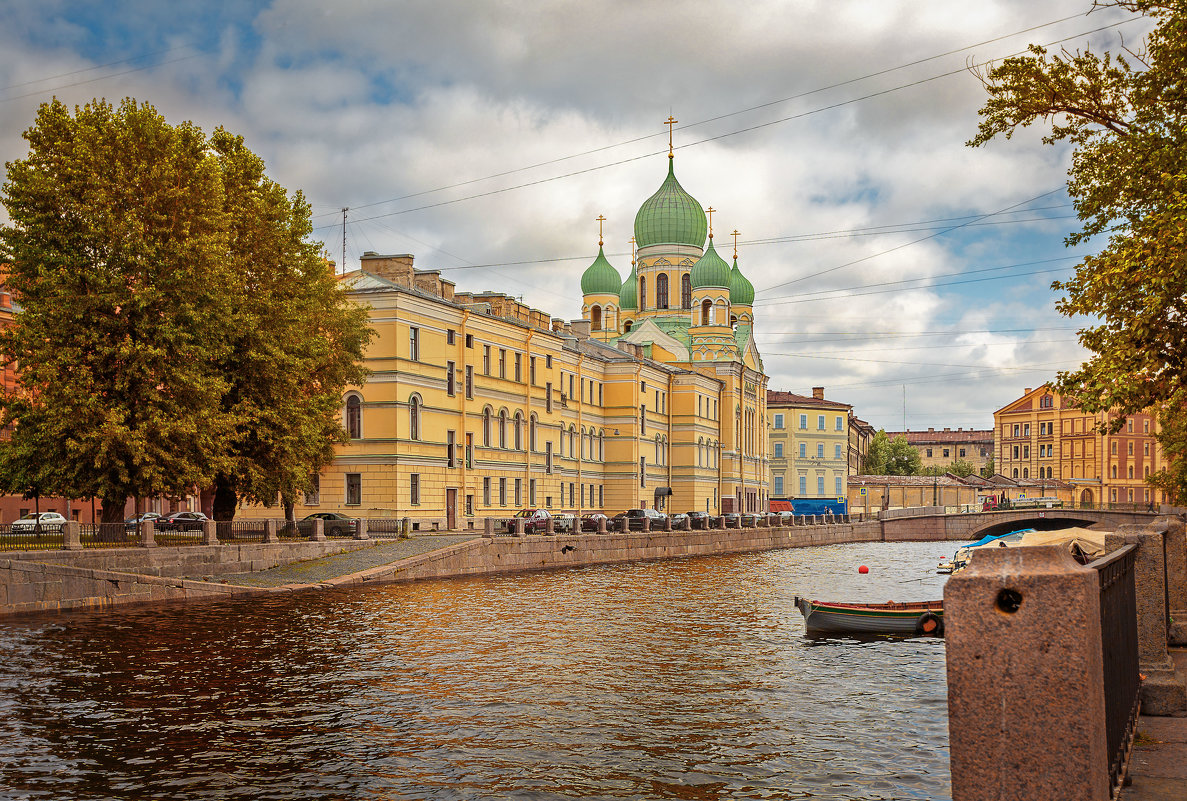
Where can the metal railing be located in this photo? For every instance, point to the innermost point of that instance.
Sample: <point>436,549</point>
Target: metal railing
<point>1119,646</point>
<point>30,538</point>
<point>241,530</point>
<point>108,535</point>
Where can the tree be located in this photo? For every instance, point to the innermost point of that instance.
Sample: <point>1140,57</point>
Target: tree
<point>962,468</point>
<point>878,454</point>
<point>989,469</point>
<point>891,457</point>
<point>158,349</point>
<point>1126,118</point>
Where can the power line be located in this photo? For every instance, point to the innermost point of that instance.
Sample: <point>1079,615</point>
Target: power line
<point>96,67</point>
<point>101,78</point>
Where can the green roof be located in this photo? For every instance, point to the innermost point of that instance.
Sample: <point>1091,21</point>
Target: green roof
<point>600,278</point>
<point>675,327</point>
<point>741,290</point>
<point>710,270</point>
<point>671,216</point>
<point>628,293</point>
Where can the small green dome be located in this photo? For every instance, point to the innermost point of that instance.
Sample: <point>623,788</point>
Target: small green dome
<point>670,217</point>
<point>741,290</point>
<point>600,278</point>
<point>628,293</point>
<point>710,270</point>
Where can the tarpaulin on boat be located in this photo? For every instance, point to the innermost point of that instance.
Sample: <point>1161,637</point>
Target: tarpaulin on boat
<point>1086,541</point>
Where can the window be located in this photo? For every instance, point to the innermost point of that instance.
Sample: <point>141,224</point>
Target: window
<point>532,370</point>
<point>486,428</point>
<point>1129,425</point>
<point>313,494</point>
<point>643,419</point>
<point>354,489</point>
<point>839,490</point>
<point>661,291</point>
<point>548,362</point>
<point>414,344</point>
<point>449,336</point>
<point>502,492</point>
<point>595,318</point>
<point>469,340</point>
<point>642,292</point>
<point>450,449</point>
<point>469,381</point>
<point>778,450</point>
<point>486,359</point>
<point>837,455</point>
<point>945,453</point>
<point>1015,451</point>
<point>840,423</point>
<point>601,495</point>
<point>929,453</point>
<point>519,492</point>
<point>803,485</point>
<point>548,397</point>
<point>486,491</point>
<point>548,456</point>
<point>532,433</point>
<point>502,362</point>
<point>518,374</point>
<point>518,431</point>
<point>778,420</point>
<point>962,452</point>
<point>414,489</point>
<point>820,422</point>
<point>1026,472</point>
<point>354,417</point>
<point>819,450</point>
<point>1025,451</point>
<point>803,421</point>
<point>706,308</point>
<point>414,417</point>
<point>1016,429</point>
<point>450,384</point>
<point>1145,426</point>
<point>502,428</point>
<point>803,450</point>
<point>685,292</point>
<point>1130,447</point>
<point>532,491</point>
<point>778,485</point>
<point>642,471</point>
<point>1026,429</point>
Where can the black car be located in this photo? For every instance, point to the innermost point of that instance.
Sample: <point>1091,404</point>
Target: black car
<point>635,518</point>
<point>132,522</point>
<point>333,524</point>
<point>180,521</point>
<point>697,520</point>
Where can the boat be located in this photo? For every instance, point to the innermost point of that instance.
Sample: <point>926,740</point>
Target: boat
<point>912,617</point>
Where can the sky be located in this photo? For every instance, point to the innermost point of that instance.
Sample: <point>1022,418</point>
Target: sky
<point>906,273</point>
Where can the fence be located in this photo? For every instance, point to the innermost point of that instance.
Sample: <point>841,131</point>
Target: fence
<point>1119,641</point>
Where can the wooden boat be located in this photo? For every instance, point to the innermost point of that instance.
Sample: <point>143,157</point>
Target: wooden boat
<point>920,617</point>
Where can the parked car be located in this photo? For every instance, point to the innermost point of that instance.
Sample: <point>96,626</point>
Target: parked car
<point>535,521</point>
<point>589,522</point>
<point>181,521</point>
<point>333,524</point>
<point>564,522</point>
<point>749,519</point>
<point>135,520</point>
<point>698,520</point>
<point>635,518</point>
<point>34,523</point>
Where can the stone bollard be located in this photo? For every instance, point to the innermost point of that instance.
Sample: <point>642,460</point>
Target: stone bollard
<point>624,525</point>
<point>686,524</point>
<point>360,529</point>
<point>1176,576</point>
<point>667,523</point>
<point>210,533</point>
<point>550,526</point>
<point>148,538</point>
<point>71,536</point>
<point>1164,691</point>
<point>1026,705</point>
<point>646,523</point>
<point>519,521</point>
<point>319,530</point>
<point>602,525</point>
<point>270,531</point>
<point>488,527</point>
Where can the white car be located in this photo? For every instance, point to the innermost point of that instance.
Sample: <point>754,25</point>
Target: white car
<point>47,522</point>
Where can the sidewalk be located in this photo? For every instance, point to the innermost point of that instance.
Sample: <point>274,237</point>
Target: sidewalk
<point>316,571</point>
<point>1158,767</point>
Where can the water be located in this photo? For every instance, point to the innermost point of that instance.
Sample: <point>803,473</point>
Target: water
<point>687,679</point>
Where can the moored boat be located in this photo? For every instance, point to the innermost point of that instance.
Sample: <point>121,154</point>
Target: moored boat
<point>912,617</point>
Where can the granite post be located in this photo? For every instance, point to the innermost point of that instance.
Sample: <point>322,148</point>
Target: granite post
<point>148,537</point>
<point>270,531</point>
<point>71,537</point>
<point>319,530</point>
<point>488,527</point>
<point>360,531</point>
<point>1026,706</point>
<point>209,533</point>
<point>1176,576</point>
<point>1164,691</point>
<point>602,524</point>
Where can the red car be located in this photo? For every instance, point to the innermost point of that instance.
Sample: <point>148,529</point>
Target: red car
<point>535,521</point>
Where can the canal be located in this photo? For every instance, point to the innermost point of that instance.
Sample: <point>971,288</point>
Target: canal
<point>688,679</point>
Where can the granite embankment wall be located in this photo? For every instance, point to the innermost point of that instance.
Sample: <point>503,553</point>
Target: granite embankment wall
<point>56,581</point>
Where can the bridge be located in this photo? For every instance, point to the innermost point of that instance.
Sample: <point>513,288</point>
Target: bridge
<point>932,524</point>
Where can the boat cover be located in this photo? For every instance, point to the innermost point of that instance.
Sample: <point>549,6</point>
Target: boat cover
<point>1089,542</point>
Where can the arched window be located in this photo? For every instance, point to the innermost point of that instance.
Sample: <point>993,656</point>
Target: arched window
<point>602,445</point>
<point>518,431</point>
<point>486,427</point>
<point>661,291</point>
<point>354,417</point>
<point>685,292</point>
<point>1131,471</point>
<point>733,320</point>
<point>700,451</point>
<point>659,450</point>
<point>626,327</point>
<point>1026,472</point>
<point>1114,473</point>
<point>502,428</point>
<point>1015,473</point>
<point>642,292</point>
<point>572,442</point>
<point>706,311</point>
<point>595,318</point>
<point>532,433</point>
<point>414,417</point>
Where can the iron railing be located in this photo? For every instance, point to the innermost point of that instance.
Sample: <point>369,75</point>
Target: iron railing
<point>241,530</point>
<point>30,538</point>
<point>1119,641</point>
<point>108,535</point>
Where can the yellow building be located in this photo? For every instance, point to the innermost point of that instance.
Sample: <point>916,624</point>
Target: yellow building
<point>809,445</point>
<point>1043,436</point>
<point>478,405</point>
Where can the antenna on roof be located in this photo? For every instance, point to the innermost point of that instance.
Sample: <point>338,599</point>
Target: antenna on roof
<point>344,210</point>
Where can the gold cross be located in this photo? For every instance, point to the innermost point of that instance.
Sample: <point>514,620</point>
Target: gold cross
<point>735,244</point>
<point>710,210</point>
<point>632,250</point>
<point>601,220</point>
<point>670,122</point>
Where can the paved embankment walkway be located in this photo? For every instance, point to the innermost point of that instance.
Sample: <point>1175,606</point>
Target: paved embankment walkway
<point>315,571</point>
<point>1158,767</point>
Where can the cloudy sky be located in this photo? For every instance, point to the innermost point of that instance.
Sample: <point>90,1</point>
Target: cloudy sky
<point>903,271</point>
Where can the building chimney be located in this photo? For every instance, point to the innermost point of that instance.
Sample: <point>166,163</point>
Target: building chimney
<point>397,269</point>
<point>1026,391</point>
<point>558,324</point>
<point>581,328</point>
<point>818,393</point>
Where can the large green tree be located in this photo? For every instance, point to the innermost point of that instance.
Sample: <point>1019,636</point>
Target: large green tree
<point>892,457</point>
<point>157,352</point>
<point>1126,117</point>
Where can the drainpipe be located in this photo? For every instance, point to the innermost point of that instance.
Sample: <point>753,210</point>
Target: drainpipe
<point>668,443</point>
<point>464,428</point>
<point>580,401</point>
<point>526,432</point>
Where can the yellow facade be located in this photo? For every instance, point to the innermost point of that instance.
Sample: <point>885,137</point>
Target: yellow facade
<point>1043,436</point>
<point>809,445</point>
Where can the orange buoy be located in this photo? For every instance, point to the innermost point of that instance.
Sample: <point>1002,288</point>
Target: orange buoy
<point>863,570</point>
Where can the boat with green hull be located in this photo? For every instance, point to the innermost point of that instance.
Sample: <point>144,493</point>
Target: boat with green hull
<point>911,618</point>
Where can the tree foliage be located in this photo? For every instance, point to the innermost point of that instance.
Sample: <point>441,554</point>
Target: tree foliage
<point>175,326</point>
<point>1126,117</point>
<point>892,457</point>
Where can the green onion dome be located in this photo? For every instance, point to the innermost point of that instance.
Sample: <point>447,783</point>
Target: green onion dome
<point>628,293</point>
<point>670,217</point>
<point>741,290</point>
<point>710,270</point>
<point>600,278</point>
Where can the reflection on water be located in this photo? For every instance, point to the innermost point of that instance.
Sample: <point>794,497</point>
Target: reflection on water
<point>679,679</point>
